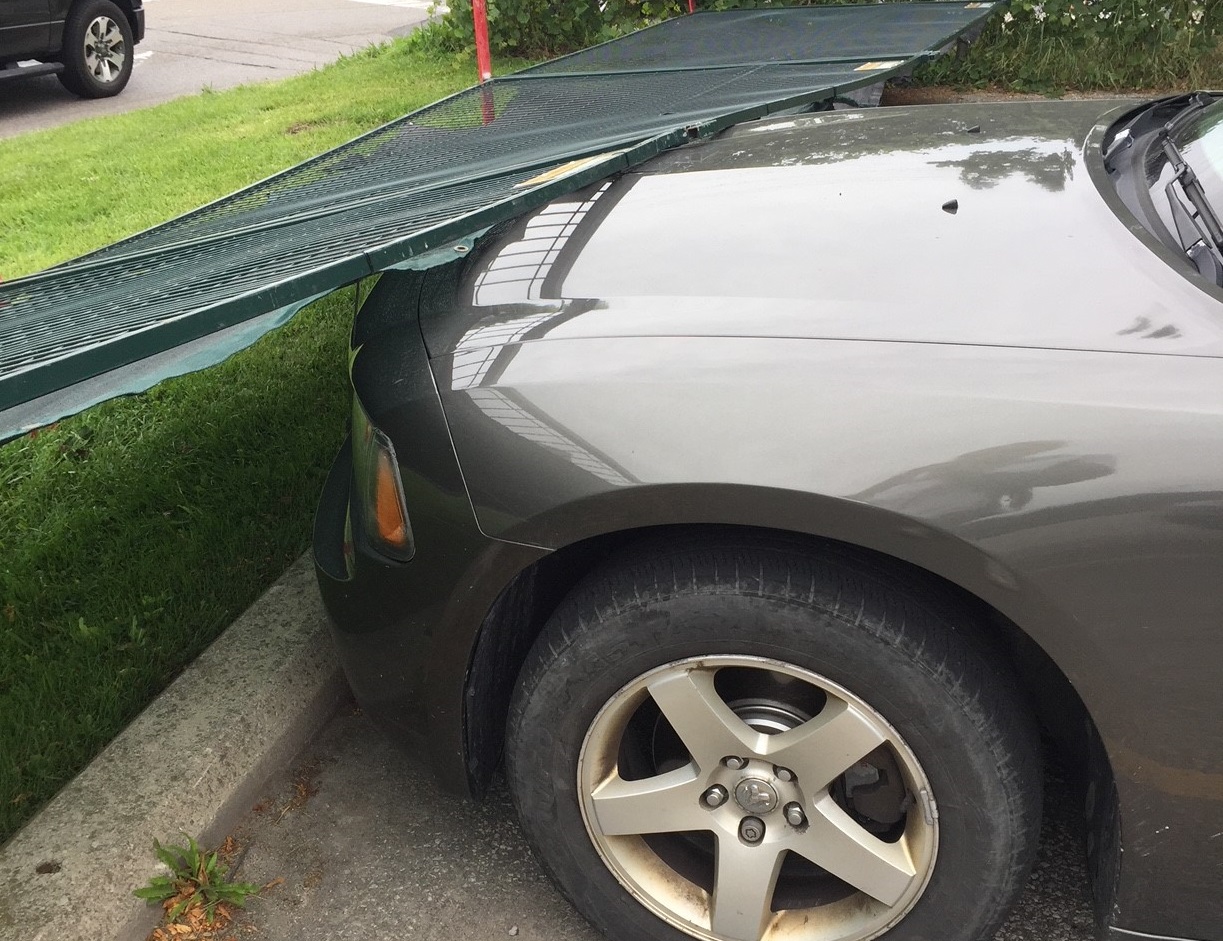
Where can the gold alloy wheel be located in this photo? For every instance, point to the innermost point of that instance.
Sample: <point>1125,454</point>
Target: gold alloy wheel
<point>746,799</point>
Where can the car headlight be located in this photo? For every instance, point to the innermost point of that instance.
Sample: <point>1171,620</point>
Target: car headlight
<point>379,489</point>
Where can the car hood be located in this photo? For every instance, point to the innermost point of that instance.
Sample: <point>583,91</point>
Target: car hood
<point>964,224</point>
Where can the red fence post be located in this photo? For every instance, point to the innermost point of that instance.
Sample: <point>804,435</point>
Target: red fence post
<point>484,60</point>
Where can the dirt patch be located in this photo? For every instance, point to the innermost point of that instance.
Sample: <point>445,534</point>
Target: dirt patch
<point>301,789</point>
<point>313,879</point>
<point>301,127</point>
<point>304,787</point>
<point>194,925</point>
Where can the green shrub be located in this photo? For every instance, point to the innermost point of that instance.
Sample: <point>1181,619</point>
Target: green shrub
<point>1040,45</point>
<point>519,27</point>
<point>1094,44</point>
<point>537,29</point>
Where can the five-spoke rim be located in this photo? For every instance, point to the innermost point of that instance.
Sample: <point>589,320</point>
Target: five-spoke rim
<point>720,792</point>
<point>105,50</point>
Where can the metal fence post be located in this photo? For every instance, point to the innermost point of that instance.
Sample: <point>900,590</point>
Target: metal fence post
<point>484,60</point>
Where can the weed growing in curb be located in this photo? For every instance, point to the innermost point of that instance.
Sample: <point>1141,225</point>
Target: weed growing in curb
<point>197,884</point>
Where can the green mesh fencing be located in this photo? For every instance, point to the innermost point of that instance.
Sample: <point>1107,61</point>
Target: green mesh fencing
<point>194,290</point>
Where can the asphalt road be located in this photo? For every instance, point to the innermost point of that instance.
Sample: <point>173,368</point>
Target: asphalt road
<point>370,849</point>
<point>195,44</point>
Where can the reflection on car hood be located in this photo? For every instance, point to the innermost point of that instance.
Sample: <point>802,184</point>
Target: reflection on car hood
<point>965,224</point>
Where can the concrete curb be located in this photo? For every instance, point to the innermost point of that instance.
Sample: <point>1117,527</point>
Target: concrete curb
<point>192,762</point>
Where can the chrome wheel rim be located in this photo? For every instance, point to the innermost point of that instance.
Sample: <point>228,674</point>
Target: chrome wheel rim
<point>105,50</point>
<point>726,794</point>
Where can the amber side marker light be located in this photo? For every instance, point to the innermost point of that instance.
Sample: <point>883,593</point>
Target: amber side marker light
<point>383,512</point>
<point>389,518</point>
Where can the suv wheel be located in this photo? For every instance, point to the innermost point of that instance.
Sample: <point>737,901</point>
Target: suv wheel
<point>746,744</point>
<point>97,51</point>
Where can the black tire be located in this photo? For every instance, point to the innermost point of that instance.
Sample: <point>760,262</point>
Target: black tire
<point>97,50</point>
<point>897,643</point>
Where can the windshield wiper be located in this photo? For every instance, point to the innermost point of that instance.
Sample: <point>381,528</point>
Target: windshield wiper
<point>1197,224</point>
<point>1198,101</point>
<point>1123,137</point>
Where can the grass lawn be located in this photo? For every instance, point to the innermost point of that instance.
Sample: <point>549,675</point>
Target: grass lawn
<point>131,535</point>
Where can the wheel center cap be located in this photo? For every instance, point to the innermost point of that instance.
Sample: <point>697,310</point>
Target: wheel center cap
<point>756,795</point>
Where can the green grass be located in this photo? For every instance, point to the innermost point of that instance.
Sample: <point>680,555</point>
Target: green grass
<point>67,191</point>
<point>131,535</point>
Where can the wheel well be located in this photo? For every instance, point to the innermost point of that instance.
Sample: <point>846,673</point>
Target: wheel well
<point>524,606</point>
<point>129,11</point>
<point>128,8</point>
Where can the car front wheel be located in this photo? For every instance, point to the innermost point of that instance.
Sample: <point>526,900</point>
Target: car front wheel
<point>750,743</point>
<point>97,50</point>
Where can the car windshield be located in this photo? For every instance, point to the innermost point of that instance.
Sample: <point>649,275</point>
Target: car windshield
<point>1201,144</point>
<point>1183,162</point>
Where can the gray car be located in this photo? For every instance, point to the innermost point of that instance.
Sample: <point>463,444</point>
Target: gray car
<point>777,506</point>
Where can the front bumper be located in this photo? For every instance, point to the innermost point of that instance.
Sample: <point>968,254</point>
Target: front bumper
<point>406,631</point>
<point>361,593</point>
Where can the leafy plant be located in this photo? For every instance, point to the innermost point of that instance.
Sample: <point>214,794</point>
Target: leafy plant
<point>1107,44</point>
<point>197,878</point>
<point>518,27</point>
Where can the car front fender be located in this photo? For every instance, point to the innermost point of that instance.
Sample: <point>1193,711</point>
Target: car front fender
<point>1079,493</point>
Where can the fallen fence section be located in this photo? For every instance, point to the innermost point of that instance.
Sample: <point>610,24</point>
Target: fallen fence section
<point>190,292</point>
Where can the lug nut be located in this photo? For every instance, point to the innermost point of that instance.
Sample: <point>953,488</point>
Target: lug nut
<point>783,774</point>
<point>734,763</point>
<point>794,815</point>
<point>751,830</point>
<point>715,796</point>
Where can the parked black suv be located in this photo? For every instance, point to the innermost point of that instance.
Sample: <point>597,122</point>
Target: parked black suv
<point>87,43</point>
